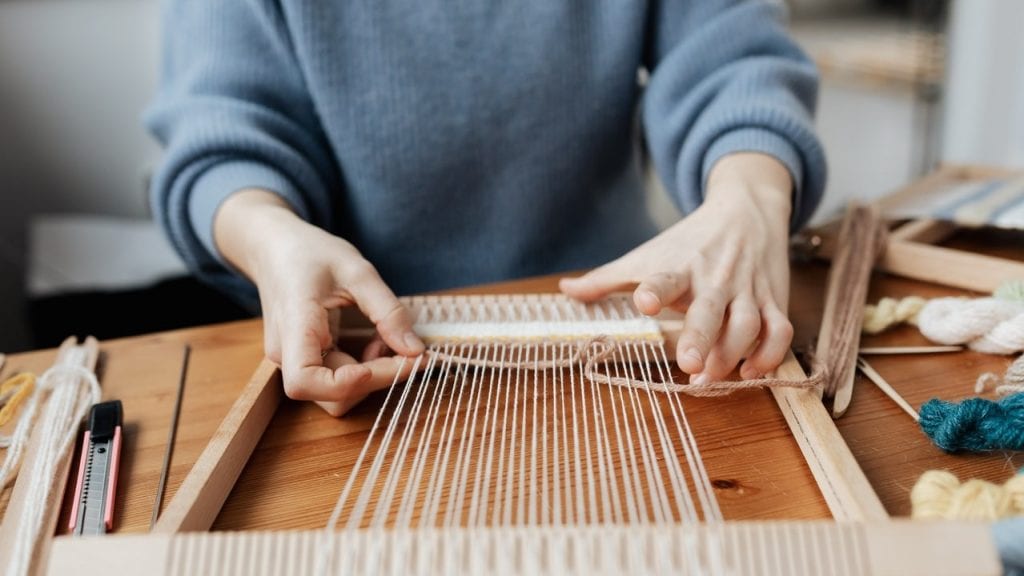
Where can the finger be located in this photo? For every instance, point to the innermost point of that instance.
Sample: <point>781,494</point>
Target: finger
<point>303,334</point>
<point>700,330</point>
<point>383,373</point>
<point>597,283</point>
<point>660,290</point>
<point>776,338</point>
<point>739,335</point>
<point>378,302</point>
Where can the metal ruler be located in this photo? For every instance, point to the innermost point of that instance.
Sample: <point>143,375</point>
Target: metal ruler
<point>93,510</point>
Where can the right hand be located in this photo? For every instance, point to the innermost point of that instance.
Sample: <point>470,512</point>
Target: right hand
<point>303,274</point>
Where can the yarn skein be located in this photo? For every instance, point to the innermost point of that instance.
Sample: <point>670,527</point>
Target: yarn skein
<point>938,494</point>
<point>976,424</point>
<point>994,325</point>
<point>13,392</point>
<point>890,312</point>
<point>988,325</point>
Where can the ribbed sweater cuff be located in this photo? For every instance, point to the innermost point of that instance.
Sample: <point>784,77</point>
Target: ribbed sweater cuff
<point>214,186</point>
<point>765,142</point>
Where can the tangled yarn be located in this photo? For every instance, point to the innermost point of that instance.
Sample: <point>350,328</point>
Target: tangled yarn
<point>1011,383</point>
<point>891,311</point>
<point>976,424</point>
<point>938,494</point>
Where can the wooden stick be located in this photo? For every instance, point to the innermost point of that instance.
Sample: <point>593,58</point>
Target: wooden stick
<point>51,508</point>
<point>891,350</point>
<point>199,499</point>
<point>891,392</point>
<point>949,267</point>
<point>846,489</point>
<point>926,231</point>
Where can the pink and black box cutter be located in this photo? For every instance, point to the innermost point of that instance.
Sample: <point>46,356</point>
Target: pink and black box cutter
<point>92,512</point>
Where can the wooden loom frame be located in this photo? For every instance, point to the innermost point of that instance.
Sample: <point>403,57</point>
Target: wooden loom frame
<point>848,494</point>
<point>911,250</point>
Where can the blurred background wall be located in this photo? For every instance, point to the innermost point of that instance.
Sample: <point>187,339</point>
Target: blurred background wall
<point>74,77</point>
<point>905,83</point>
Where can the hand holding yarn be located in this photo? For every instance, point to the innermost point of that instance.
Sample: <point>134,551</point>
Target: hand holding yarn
<point>726,265</point>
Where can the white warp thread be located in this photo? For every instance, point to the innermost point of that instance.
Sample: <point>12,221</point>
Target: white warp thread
<point>72,389</point>
<point>988,325</point>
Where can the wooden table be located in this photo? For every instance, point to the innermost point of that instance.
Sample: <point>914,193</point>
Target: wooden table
<point>294,476</point>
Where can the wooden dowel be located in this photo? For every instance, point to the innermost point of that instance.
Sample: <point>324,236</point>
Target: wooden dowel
<point>895,350</point>
<point>891,392</point>
<point>949,267</point>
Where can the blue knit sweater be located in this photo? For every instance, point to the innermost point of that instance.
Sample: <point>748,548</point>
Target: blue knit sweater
<point>458,142</point>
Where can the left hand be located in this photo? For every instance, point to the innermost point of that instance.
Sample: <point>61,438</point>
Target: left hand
<point>726,265</point>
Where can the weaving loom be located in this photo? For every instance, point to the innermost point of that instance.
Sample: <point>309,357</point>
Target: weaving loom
<point>538,435</point>
<point>521,443</point>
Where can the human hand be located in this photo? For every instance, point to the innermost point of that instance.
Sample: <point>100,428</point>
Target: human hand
<point>726,265</point>
<point>304,274</point>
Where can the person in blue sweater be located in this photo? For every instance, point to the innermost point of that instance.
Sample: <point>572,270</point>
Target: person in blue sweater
<point>335,153</point>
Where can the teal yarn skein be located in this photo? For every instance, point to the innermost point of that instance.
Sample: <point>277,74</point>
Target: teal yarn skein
<point>976,424</point>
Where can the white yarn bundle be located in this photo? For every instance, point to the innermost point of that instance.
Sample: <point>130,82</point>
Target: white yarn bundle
<point>72,389</point>
<point>988,325</point>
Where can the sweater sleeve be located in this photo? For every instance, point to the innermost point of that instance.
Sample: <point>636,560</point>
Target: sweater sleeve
<point>726,78</point>
<point>233,113</point>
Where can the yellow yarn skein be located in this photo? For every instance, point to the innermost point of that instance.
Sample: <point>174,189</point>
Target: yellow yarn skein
<point>890,312</point>
<point>938,494</point>
<point>15,389</point>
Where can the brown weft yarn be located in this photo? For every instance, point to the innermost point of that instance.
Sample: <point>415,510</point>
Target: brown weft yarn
<point>861,239</point>
<point>601,349</point>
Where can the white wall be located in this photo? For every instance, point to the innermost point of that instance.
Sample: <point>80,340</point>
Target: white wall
<point>75,76</point>
<point>984,113</point>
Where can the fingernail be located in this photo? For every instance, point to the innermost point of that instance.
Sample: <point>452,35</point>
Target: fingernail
<point>699,379</point>
<point>648,300</point>
<point>748,373</point>
<point>413,342</point>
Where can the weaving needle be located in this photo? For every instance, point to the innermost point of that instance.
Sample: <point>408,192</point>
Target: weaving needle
<point>171,435</point>
<point>891,392</point>
<point>889,350</point>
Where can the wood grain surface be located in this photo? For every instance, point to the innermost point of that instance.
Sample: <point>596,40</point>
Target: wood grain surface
<point>299,466</point>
